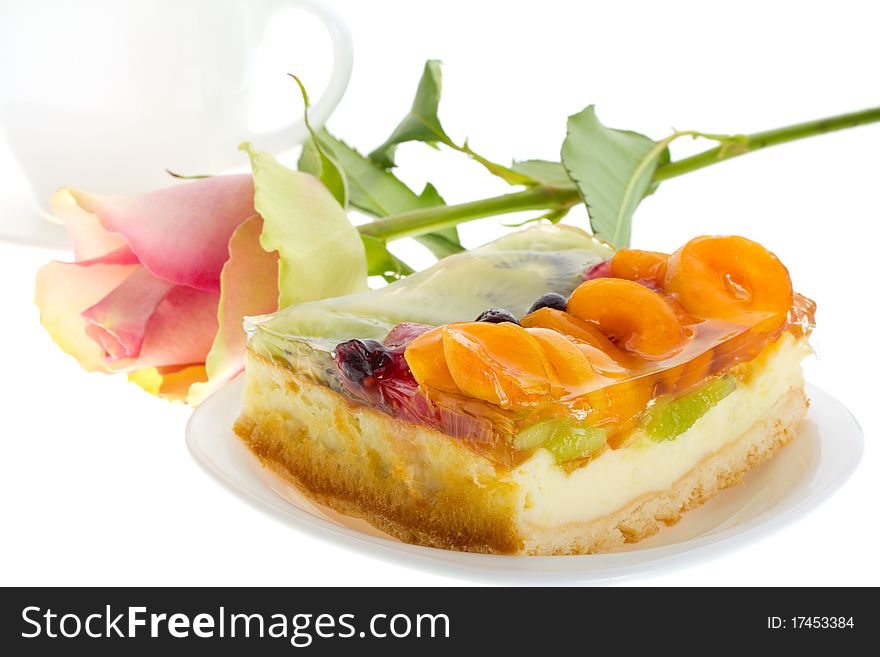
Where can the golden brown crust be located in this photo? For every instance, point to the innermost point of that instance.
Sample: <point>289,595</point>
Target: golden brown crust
<point>421,486</point>
<point>411,482</point>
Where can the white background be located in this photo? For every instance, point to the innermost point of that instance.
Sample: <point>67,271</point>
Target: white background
<point>96,484</point>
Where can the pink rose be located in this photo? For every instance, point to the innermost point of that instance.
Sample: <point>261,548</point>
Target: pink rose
<point>160,283</point>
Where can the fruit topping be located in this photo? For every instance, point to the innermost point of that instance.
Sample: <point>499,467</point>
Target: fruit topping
<point>565,438</point>
<point>632,316</point>
<point>372,372</point>
<point>496,316</point>
<point>686,375</point>
<point>498,363</point>
<point>645,267</point>
<point>571,365</point>
<point>602,361</point>
<point>552,300</point>
<point>404,333</point>
<point>732,279</point>
<point>360,360</point>
<point>667,420</point>
<point>642,326</point>
<point>583,333</point>
<point>599,270</point>
<point>428,363</point>
<point>577,443</point>
<point>618,407</point>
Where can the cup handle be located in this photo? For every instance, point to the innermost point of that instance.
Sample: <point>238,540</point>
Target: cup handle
<point>296,133</point>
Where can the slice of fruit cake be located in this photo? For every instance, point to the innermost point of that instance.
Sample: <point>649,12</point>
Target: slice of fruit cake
<point>539,395</point>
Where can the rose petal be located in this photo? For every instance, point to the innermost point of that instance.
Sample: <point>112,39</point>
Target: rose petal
<point>169,382</point>
<point>121,256</point>
<point>63,292</point>
<point>179,233</point>
<point>179,332</point>
<point>119,321</point>
<point>90,239</point>
<point>248,286</point>
<point>320,253</point>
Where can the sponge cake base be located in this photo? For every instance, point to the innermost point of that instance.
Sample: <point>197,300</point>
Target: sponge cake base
<point>424,487</point>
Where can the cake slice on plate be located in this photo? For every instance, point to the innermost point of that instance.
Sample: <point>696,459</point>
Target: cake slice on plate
<point>595,397</point>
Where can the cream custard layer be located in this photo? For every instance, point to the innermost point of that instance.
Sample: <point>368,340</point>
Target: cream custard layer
<point>552,497</point>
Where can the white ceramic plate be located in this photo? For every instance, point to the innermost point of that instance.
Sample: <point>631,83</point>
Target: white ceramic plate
<point>801,476</point>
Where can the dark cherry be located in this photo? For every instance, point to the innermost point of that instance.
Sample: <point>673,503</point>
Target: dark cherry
<point>362,359</point>
<point>496,316</point>
<point>550,300</point>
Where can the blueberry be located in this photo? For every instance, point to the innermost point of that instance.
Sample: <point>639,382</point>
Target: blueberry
<point>496,316</point>
<point>550,300</point>
<point>360,359</point>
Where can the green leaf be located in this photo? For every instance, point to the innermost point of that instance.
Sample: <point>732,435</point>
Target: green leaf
<point>378,192</point>
<point>507,174</point>
<point>422,123</point>
<point>429,197</point>
<point>310,159</point>
<point>543,172</point>
<point>319,163</point>
<point>381,262</point>
<point>372,188</point>
<point>553,216</point>
<point>443,242</point>
<point>320,254</point>
<point>314,161</point>
<point>665,158</point>
<point>182,176</point>
<point>612,170</point>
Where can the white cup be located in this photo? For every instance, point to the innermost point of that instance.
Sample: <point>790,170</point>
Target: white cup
<point>105,95</point>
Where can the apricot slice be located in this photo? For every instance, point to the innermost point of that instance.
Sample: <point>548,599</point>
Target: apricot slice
<point>647,267</point>
<point>576,328</point>
<point>602,362</point>
<point>426,361</point>
<point>631,315</point>
<point>570,364</point>
<point>618,407</point>
<point>687,375</point>
<point>499,363</point>
<point>742,348</point>
<point>732,279</point>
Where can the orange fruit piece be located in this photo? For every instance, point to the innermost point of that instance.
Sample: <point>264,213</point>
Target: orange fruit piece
<point>576,328</point>
<point>617,408</point>
<point>629,314</point>
<point>603,363</point>
<point>732,279</point>
<point>687,375</point>
<point>742,348</point>
<point>426,361</point>
<point>571,365</point>
<point>647,267</point>
<point>499,363</point>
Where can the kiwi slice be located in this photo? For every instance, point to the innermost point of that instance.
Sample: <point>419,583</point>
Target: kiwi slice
<point>565,438</point>
<point>509,273</point>
<point>666,420</point>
